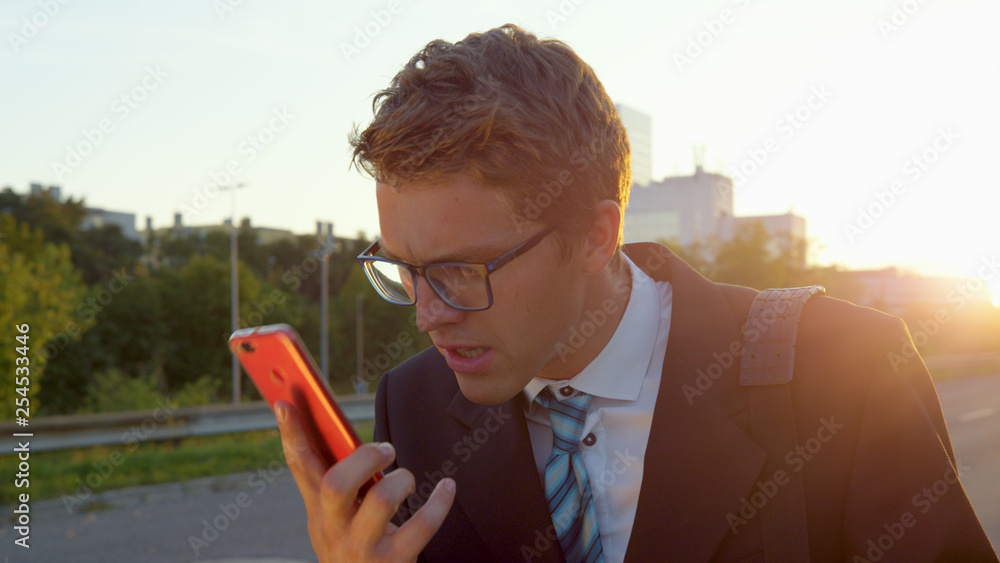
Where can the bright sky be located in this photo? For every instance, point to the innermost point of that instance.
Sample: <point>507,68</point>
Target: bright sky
<point>179,87</point>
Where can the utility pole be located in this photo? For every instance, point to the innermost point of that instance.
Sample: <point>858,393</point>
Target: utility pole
<point>359,322</point>
<point>234,284</point>
<point>326,241</point>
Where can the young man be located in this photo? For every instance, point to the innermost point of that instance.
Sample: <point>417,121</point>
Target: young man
<point>582,399</point>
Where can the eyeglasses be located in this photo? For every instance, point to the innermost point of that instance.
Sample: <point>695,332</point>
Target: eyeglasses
<point>462,285</point>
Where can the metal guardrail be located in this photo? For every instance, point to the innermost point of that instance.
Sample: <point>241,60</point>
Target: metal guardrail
<point>52,433</point>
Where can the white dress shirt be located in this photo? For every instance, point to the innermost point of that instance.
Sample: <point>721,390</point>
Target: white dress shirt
<point>624,379</point>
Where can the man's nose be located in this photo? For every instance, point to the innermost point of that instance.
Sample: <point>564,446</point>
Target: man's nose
<point>432,311</point>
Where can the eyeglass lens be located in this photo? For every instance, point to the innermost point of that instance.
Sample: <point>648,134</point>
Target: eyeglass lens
<point>458,285</point>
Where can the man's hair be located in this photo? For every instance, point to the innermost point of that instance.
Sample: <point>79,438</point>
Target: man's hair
<point>510,111</point>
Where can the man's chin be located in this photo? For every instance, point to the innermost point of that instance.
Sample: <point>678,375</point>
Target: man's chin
<point>483,390</point>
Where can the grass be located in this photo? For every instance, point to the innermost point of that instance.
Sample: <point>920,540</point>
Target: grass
<point>104,468</point>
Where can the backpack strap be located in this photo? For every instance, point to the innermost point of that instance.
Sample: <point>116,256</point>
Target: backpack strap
<point>766,367</point>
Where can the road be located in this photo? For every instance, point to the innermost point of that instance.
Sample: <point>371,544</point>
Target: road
<point>972,411</point>
<point>200,522</point>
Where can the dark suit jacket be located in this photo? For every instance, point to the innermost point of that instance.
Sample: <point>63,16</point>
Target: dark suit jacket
<point>876,459</point>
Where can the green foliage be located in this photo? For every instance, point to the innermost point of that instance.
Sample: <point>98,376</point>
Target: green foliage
<point>20,237</point>
<point>39,289</point>
<point>127,334</point>
<point>98,253</point>
<point>154,321</point>
<point>390,332</point>
<point>201,391</point>
<point>113,391</point>
<point>59,221</point>
<point>197,324</point>
<point>754,258</point>
<point>748,259</point>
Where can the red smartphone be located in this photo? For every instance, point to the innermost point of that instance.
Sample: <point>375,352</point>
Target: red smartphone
<point>282,369</point>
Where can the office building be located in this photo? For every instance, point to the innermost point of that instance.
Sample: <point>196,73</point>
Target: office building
<point>639,127</point>
<point>683,209</point>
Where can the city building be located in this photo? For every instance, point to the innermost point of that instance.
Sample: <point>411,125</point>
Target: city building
<point>788,233</point>
<point>265,235</point>
<point>97,218</point>
<point>898,293</point>
<point>37,190</point>
<point>639,127</point>
<point>684,209</point>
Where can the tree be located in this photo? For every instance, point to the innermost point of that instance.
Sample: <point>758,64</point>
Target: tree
<point>127,337</point>
<point>750,259</point>
<point>755,258</point>
<point>390,331</point>
<point>196,300</point>
<point>39,292</point>
<point>95,252</point>
<point>59,221</point>
<point>99,252</point>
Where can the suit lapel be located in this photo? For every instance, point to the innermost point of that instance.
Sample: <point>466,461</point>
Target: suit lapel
<point>698,462</point>
<point>507,503</point>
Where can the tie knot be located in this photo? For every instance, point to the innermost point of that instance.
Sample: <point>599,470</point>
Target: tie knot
<point>567,418</point>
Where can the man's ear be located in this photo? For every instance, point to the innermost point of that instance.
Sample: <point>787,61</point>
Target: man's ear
<point>602,238</point>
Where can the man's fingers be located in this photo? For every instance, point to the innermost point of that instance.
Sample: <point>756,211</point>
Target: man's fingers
<point>419,529</point>
<point>306,467</point>
<point>340,486</point>
<point>380,504</point>
<point>337,520</point>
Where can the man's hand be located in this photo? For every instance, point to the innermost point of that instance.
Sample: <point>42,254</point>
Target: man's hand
<point>340,527</point>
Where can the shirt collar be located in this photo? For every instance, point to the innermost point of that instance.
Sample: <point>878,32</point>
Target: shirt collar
<point>618,371</point>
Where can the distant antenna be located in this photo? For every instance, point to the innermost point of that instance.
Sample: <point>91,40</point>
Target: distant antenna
<point>699,156</point>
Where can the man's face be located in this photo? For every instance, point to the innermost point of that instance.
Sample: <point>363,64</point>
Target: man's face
<point>536,297</point>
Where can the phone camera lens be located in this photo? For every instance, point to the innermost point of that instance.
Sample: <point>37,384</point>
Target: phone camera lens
<point>247,347</point>
<point>277,377</point>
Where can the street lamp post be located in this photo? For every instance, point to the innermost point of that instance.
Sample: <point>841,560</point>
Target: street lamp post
<point>359,323</point>
<point>234,284</point>
<point>324,234</point>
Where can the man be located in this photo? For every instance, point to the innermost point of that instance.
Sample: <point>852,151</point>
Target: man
<point>582,399</point>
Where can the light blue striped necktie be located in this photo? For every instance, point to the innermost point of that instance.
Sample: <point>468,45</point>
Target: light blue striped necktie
<point>567,488</point>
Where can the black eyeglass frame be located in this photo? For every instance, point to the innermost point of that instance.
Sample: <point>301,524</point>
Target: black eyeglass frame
<point>484,268</point>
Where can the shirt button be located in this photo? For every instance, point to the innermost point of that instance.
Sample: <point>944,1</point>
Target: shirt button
<point>590,439</point>
<point>566,391</point>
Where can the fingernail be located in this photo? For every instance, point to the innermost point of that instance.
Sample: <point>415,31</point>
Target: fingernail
<point>386,448</point>
<point>281,411</point>
<point>448,484</point>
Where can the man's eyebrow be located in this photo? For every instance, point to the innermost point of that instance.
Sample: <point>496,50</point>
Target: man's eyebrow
<point>472,253</point>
